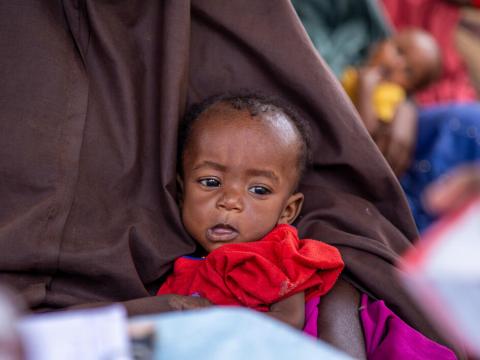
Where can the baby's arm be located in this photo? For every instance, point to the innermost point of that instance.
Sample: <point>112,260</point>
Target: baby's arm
<point>290,310</point>
<point>397,142</point>
<point>154,304</point>
<point>368,80</point>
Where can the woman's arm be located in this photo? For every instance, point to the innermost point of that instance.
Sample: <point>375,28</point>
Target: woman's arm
<point>339,321</point>
<point>290,310</point>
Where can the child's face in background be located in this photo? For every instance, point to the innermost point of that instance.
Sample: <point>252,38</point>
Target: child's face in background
<point>410,59</point>
<point>238,176</point>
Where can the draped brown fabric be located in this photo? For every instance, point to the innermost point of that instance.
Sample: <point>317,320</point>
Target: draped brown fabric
<point>91,96</point>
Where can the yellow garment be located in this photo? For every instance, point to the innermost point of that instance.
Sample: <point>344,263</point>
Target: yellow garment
<point>386,97</point>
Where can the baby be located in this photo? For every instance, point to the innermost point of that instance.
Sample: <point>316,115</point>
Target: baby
<point>396,67</point>
<point>411,58</point>
<point>242,158</point>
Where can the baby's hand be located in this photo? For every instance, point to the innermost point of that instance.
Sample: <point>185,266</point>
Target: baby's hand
<point>369,77</point>
<point>179,302</point>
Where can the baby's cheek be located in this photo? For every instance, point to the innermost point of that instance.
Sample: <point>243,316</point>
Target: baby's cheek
<point>262,223</point>
<point>191,220</point>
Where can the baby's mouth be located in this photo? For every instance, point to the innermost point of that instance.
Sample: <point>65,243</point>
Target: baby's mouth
<point>221,233</point>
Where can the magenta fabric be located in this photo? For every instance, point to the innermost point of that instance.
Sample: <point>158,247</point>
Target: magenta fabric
<point>311,316</point>
<point>388,337</point>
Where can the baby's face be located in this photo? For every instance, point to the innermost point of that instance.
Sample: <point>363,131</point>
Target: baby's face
<point>238,176</point>
<point>407,59</point>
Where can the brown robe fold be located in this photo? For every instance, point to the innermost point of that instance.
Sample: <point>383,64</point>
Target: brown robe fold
<point>91,96</point>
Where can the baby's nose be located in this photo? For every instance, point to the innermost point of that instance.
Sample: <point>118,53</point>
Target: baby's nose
<point>231,200</point>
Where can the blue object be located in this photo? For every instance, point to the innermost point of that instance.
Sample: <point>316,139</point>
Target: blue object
<point>448,136</point>
<point>232,333</point>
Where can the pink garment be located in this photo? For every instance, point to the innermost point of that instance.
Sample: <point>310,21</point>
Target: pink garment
<point>311,316</point>
<point>386,335</point>
<point>440,19</point>
<point>389,337</point>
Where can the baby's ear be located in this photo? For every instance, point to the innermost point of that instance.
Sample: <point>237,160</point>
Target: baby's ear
<point>292,209</point>
<point>179,190</point>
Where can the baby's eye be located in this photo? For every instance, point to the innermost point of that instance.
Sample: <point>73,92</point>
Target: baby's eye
<point>259,190</point>
<point>209,182</point>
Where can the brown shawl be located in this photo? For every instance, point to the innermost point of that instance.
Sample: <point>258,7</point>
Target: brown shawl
<point>91,96</point>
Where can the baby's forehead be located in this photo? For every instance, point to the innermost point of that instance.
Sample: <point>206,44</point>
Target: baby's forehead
<point>223,130</point>
<point>270,118</point>
<point>421,40</point>
<point>226,110</point>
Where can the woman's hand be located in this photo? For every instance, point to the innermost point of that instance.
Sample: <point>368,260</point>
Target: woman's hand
<point>369,77</point>
<point>454,189</point>
<point>397,140</point>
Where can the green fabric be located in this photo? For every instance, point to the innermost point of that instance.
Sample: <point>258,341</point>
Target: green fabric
<point>342,30</point>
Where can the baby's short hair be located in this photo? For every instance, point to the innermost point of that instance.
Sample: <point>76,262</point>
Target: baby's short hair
<point>255,104</point>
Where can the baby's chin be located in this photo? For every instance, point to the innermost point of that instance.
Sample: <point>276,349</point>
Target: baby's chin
<point>216,246</point>
<point>209,245</point>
